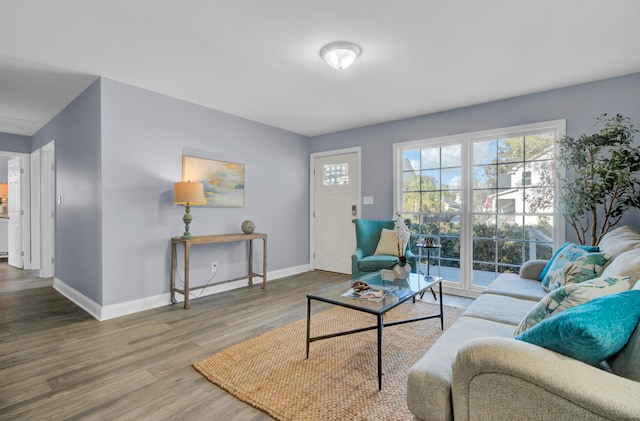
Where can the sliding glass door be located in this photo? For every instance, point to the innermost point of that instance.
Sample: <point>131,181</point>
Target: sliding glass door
<point>487,198</point>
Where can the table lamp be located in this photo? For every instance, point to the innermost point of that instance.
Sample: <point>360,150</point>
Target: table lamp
<point>188,193</point>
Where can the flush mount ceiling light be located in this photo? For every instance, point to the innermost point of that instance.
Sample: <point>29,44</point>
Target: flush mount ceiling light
<point>340,54</point>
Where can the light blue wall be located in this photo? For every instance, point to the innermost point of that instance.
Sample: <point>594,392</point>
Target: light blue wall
<point>144,135</point>
<point>15,143</point>
<point>76,131</point>
<point>4,169</point>
<point>579,105</point>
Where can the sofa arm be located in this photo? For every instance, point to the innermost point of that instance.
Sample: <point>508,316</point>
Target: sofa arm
<point>532,269</point>
<point>505,379</point>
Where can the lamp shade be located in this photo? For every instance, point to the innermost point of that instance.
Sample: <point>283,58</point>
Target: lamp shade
<point>340,54</point>
<point>188,192</point>
<point>4,189</point>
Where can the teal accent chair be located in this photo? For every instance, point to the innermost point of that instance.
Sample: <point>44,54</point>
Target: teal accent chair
<point>363,260</point>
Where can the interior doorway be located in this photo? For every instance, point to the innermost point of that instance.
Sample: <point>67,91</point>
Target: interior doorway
<point>26,242</point>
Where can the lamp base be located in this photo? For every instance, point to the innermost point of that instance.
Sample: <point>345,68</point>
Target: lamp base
<point>187,218</point>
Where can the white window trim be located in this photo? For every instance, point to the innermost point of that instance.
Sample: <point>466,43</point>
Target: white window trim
<point>465,286</point>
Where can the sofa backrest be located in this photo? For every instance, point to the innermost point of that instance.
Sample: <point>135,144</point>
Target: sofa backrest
<point>626,362</point>
<point>619,240</point>
<point>368,233</point>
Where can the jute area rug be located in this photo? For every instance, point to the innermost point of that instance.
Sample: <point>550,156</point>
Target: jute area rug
<point>339,381</point>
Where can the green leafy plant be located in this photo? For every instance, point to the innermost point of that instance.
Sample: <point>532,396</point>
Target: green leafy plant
<point>602,178</point>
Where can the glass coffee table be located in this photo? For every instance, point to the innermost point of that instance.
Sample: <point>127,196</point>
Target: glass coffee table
<point>394,291</point>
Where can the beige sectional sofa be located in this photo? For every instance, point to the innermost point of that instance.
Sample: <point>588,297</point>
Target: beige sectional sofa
<point>478,371</point>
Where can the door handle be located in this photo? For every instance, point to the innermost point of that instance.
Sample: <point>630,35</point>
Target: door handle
<point>354,210</point>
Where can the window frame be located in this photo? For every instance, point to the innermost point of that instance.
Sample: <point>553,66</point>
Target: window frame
<point>465,287</point>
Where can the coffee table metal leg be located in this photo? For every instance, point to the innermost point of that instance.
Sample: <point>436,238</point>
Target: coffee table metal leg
<point>380,326</point>
<point>308,324</point>
<point>441,313</point>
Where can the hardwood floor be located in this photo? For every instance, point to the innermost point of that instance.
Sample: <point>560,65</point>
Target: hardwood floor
<point>57,362</point>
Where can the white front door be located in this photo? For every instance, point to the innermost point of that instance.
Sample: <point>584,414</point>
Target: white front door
<point>336,204</point>
<point>15,214</point>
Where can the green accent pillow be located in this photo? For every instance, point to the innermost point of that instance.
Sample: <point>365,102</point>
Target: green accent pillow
<point>571,295</point>
<point>591,332</point>
<point>589,249</point>
<point>574,264</point>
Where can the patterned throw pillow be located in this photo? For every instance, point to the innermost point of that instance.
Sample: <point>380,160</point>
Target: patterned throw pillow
<point>573,264</point>
<point>590,249</point>
<point>591,332</point>
<point>571,295</point>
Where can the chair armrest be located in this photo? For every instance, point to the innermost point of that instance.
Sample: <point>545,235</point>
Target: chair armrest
<point>532,269</point>
<point>358,254</point>
<point>501,378</point>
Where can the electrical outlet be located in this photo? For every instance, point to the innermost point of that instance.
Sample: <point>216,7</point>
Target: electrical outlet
<point>214,267</point>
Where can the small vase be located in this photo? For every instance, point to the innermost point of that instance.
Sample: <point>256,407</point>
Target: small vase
<point>402,272</point>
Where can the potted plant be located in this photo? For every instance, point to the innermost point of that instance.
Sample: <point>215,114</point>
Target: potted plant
<point>602,178</point>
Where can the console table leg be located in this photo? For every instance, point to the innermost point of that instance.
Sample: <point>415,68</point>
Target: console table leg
<point>173,273</point>
<point>264,262</point>
<point>250,262</point>
<point>186,275</point>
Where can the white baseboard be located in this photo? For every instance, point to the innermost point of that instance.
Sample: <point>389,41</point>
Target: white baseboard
<point>81,300</point>
<point>129,307</point>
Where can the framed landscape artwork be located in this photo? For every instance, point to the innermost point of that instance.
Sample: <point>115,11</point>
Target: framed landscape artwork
<point>223,181</point>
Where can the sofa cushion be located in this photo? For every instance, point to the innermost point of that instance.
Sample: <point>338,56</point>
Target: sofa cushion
<point>499,308</point>
<point>573,264</point>
<point>544,272</point>
<point>619,240</point>
<point>429,380</point>
<point>512,285</point>
<point>572,295</point>
<point>590,332</point>
<point>625,264</point>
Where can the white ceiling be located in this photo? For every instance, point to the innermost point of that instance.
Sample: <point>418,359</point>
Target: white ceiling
<point>259,59</point>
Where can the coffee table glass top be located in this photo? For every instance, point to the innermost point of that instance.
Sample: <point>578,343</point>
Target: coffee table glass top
<point>400,290</point>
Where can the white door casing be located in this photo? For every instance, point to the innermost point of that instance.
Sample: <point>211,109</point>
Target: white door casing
<point>15,214</point>
<point>48,199</point>
<point>336,202</point>
<point>35,210</point>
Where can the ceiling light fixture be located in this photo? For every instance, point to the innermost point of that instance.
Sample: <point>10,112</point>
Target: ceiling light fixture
<point>340,54</point>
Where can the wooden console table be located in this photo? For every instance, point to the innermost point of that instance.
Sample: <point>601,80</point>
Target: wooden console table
<point>212,239</point>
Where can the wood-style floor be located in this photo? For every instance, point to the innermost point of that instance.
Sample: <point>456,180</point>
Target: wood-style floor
<point>59,363</point>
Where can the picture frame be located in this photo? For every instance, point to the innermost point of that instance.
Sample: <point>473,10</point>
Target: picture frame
<point>223,181</point>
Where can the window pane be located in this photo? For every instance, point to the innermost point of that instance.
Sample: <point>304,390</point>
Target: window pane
<point>510,227</point>
<point>511,150</point>
<point>540,173</point>
<point>510,253</point>
<point>539,200</point>
<point>451,156</point>
<point>430,158</point>
<point>485,176</point>
<point>411,181</point>
<point>335,174</point>
<point>411,202</point>
<point>484,200</point>
<point>430,202</point>
<point>451,179</point>
<point>484,226</point>
<point>485,152</point>
<point>430,180</point>
<point>539,146</point>
<point>411,160</point>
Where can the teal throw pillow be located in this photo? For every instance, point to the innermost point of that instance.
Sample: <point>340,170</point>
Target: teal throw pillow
<point>573,264</point>
<point>590,332</point>
<point>589,249</point>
